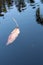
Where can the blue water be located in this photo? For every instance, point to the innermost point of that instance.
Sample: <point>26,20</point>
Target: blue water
<point>27,49</point>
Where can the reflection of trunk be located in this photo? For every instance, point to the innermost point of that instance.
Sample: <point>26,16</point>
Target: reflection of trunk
<point>39,18</point>
<point>38,13</point>
<point>0,6</point>
<point>0,9</point>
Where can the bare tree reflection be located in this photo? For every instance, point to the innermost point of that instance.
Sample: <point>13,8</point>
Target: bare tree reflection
<point>39,17</point>
<point>20,4</point>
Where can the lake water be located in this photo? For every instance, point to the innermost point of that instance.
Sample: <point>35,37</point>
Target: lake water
<point>27,49</point>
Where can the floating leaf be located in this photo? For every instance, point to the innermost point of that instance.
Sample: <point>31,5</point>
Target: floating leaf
<point>14,34</point>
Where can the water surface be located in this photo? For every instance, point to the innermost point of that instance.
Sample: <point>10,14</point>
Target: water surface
<point>27,49</point>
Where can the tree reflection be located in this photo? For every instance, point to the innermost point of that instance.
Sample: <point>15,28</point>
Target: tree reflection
<point>3,7</point>
<point>6,4</point>
<point>39,17</point>
<point>20,4</point>
<point>9,3</point>
<point>41,1</point>
<point>32,1</point>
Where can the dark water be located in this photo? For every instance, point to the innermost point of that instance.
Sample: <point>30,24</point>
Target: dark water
<point>27,49</point>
